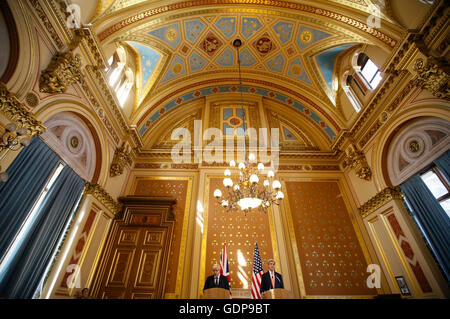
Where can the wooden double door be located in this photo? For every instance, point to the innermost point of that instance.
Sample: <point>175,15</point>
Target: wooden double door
<point>134,263</point>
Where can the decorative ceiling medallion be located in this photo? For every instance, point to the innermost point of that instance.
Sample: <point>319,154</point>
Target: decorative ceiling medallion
<point>169,34</point>
<point>306,36</point>
<point>264,45</point>
<point>32,99</point>
<point>210,44</point>
<point>74,142</point>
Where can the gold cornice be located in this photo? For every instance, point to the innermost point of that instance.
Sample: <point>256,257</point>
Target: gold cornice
<point>17,112</point>
<point>102,196</point>
<point>379,200</point>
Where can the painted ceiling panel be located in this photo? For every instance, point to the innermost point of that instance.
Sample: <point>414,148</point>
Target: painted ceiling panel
<point>176,69</point>
<point>308,36</point>
<point>193,29</point>
<point>170,35</point>
<point>249,26</point>
<point>326,61</point>
<point>227,26</point>
<point>149,60</point>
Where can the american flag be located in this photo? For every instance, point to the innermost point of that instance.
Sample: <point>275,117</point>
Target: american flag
<point>257,274</point>
<point>224,269</point>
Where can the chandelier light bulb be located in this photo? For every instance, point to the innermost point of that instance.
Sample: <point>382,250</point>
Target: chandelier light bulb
<point>276,184</point>
<point>280,195</point>
<point>270,174</point>
<point>254,179</point>
<point>224,203</point>
<point>232,163</point>
<point>227,172</point>
<point>227,182</point>
<point>251,157</point>
<point>241,165</point>
<point>266,183</point>
<point>236,187</point>
<point>217,193</point>
<point>260,167</point>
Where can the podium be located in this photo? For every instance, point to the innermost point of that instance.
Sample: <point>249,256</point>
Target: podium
<point>216,293</point>
<point>277,293</point>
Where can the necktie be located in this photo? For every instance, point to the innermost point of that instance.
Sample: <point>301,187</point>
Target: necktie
<point>273,281</point>
<point>217,281</point>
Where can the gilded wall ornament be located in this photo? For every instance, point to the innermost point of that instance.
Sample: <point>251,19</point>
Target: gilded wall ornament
<point>63,70</point>
<point>102,196</point>
<point>357,160</point>
<point>379,200</point>
<point>18,113</point>
<point>120,160</point>
<point>431,77</point>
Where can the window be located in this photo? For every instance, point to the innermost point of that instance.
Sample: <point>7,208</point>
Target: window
<point>369,70</point>
<point>121,78</point>
<point>438,186</point>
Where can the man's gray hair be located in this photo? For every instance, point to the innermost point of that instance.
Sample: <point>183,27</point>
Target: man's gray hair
<point>216,266</point>
<point>270,260</point>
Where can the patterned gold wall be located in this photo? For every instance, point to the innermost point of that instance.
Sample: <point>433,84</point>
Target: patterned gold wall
<point>331,259</point>
<point>180,190</point>
<point>240,233</point>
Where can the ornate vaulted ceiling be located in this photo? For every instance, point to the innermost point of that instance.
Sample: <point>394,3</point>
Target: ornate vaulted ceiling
<point>289,54</point>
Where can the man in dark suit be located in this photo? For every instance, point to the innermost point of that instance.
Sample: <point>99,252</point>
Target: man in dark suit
<point>216,280</point>
<point>271,279</point>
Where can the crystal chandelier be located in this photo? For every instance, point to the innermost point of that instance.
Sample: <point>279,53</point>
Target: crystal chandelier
<point>247,192</point>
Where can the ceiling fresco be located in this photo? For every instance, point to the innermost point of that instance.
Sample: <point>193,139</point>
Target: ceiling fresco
<point>186,54</point>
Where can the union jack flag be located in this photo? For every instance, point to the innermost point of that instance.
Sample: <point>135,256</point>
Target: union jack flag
<point>257,274</point>
<point>224,269</point>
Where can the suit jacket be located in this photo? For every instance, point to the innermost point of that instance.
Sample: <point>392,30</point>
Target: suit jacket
<point>223,283</point>
<point>266,282</point>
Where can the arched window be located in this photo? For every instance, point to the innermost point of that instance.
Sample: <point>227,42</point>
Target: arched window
<point>369,71</point>
<point>347,82</point>
<point>121,77</point>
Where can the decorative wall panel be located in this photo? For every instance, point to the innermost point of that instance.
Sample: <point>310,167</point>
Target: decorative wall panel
<point>240,233</point>
<point>331,259</point>
<point>153,186</point>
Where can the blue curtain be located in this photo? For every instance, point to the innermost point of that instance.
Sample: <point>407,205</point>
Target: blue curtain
<point>432,217</point>
<point>443,164</point>
<point>28,174</point>
<point>29,263</point>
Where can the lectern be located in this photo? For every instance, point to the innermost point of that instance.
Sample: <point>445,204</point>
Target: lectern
<point>277,293</point>
<point>216,293</point>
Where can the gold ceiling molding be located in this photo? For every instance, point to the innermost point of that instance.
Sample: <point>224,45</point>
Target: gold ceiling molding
<point>17,112</point>
<point>102,196</point>
<point>191,78</point>
<point>304,8</point>
<point>385,196</point>
<point>267,84</point>
<point>47,24</point>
